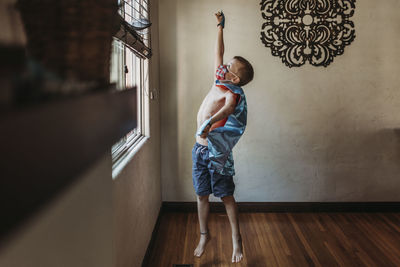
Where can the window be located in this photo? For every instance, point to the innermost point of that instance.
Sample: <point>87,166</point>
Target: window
<point>131,48</point>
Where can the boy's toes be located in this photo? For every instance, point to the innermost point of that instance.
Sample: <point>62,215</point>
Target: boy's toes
<point>237,258</point>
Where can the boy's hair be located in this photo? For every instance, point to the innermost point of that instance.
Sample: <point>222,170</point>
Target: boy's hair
<point>246,72</point>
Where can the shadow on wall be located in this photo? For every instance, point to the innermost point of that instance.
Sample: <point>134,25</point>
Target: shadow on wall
<point>384,166</point>
<point>393,137</point>
<point>366,162</point>
<point>397,135</point>
<point>169,77</point>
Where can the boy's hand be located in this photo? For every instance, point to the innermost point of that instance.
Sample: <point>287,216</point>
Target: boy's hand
<point>220,18</point>
<point>204,128</point>
<point>205,131</point>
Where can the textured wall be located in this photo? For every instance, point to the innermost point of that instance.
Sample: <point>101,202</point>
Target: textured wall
<point>314,134</point>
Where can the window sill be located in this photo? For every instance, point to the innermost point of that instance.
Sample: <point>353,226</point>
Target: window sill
<point>129,155</point>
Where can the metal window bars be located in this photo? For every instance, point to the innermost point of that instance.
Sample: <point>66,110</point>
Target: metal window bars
<point>135,24</point>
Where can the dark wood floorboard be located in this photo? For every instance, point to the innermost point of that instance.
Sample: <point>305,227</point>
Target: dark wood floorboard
<point>283,239</point>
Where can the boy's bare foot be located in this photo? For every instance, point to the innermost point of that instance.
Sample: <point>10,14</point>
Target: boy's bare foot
<point>204,238</point>
<point>237,254</point>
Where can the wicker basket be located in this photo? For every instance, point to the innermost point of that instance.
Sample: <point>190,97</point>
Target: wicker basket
<point>71,38</point>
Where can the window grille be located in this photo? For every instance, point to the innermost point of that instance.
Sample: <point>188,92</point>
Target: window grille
<point>135,26</point>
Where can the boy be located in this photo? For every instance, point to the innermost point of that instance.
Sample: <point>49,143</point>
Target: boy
<point>221,121</point>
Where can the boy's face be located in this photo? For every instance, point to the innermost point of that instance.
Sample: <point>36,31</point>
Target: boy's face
<point>233,71</point>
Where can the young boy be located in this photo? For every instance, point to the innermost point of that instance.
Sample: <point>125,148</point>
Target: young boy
<point>221,120</point>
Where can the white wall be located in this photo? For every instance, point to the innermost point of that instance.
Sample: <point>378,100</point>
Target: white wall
<point>314,133</point>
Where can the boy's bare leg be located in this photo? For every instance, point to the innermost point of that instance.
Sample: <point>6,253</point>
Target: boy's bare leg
<point>203,209</point>
<point>231,210</point>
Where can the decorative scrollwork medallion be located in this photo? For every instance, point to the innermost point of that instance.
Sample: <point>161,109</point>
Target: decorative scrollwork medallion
<point>316,31</point>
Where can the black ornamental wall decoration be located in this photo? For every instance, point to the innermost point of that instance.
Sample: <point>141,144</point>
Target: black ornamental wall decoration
<point>314,31</point>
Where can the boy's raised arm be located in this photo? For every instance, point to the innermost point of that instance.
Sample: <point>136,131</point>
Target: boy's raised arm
<point>219,45</point>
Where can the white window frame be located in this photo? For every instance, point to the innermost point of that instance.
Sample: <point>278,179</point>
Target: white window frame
<point>138,75</point>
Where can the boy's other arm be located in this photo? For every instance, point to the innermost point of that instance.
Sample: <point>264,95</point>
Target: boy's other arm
<point>225,111</point>
<point>219,44</point>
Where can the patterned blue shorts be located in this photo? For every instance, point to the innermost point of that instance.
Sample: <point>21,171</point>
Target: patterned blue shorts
<point>205,179</point>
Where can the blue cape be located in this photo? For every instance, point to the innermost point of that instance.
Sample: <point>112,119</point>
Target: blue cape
<point>221,140</point>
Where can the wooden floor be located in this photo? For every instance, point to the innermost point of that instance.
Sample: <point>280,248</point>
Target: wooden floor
<point>283,239</point>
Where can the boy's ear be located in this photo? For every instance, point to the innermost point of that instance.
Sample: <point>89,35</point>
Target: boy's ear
<point>236,80</point>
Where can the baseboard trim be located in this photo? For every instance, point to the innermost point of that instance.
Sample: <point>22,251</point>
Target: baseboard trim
<point>168,206</point>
